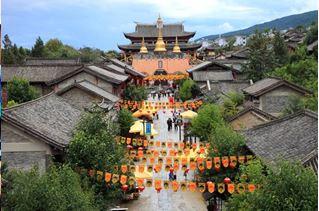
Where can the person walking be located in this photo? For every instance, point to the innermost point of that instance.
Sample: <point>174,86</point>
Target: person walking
<point>169,124</point>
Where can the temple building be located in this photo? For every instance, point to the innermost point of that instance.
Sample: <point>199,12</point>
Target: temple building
<point>160,48</point>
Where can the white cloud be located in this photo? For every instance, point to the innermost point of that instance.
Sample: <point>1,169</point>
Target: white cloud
<point>225,27</point>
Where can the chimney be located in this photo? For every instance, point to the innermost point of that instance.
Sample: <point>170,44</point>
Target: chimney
<point>251,82</point>
<point>208,85</point>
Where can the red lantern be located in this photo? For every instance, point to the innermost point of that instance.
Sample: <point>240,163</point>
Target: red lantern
<point>124,188</point>
<point>227,180</point>
<point>141,188</point>
<point>158,189</point>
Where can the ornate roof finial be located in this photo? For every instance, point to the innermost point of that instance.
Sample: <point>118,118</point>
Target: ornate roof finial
<point>160,45</point>
<point>143,48</point>
<point>176,48</point>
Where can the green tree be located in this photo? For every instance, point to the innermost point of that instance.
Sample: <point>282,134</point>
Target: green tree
<point>286,186</point>
<point>209,117</point>
<point>228,108</point>
<point>20,90</point>
<point>112,54</point>
<point>312,34</point>
<point>55,49</point>
<point>94,147</point>
<point>57,189</point>
<point>8,56</point>
<point>90,54</point>
<point>125,121</point>
<point>261,58</point>
<point>185,90</point>
<point>295,104</point>
<point>135,93</point>
<point>38,48</point>
<point>280,49</point>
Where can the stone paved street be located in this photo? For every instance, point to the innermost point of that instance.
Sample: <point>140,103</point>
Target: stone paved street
<point>167,200</point>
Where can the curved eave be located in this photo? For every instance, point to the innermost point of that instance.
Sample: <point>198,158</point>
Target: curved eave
<point>152,47</point>
<point>135,36</point>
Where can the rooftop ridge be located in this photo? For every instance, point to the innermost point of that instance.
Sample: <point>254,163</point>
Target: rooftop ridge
<point>306,112</point>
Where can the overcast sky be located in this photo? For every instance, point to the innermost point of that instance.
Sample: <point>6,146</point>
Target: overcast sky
<point>101,23</point>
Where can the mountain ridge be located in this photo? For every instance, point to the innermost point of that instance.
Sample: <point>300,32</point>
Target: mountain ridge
<point>282,23</point>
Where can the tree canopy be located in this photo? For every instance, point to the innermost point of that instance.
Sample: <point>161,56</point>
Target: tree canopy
<point>135,93</point>
<point>20,90</point>
<point>57,189</point>
<point>285,186</point>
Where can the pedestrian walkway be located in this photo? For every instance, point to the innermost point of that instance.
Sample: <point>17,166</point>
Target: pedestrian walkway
<point>167,200</point>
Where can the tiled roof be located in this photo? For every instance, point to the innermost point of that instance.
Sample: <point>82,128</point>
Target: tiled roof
<point>267,84</point>
<point>104,73</point>
<point>255,110</point>
<point>127,68</point>
<point>291,138</point>
<point>151,30</point>
<point>88,86</point>
<point>37,73</point>
<point>49,117</point>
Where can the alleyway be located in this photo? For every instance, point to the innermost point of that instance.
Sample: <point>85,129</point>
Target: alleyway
<point>167,200</point>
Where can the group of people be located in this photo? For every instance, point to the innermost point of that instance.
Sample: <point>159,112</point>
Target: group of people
<point>177,120</point>
<point>160,94</point>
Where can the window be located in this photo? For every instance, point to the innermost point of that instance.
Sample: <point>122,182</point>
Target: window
<point>160,64</point>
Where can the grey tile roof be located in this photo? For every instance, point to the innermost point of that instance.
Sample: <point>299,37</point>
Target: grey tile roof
<point>37,73</point>
<point>254,110</point>
<point>45,61</point>
<point>103,73</point>
<point>128,68</point>
<point>90,87</point>
<point>107,73</point>
<point>292,138</point>
<point>199,66</point>
<point>311,46</point>
<point>151,30</point>
<point>49,117</point>
<point>213,76</point>
<point>242,53</point>
<point>267,84</point>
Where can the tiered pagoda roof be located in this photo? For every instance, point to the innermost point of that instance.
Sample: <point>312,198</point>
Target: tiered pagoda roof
<point>151,31</point>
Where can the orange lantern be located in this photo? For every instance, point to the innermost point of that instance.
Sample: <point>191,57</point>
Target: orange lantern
<point>209,164</point>
<point>232,162</point>
<point>140,182</point>
<point>171,152</point>
<point>225,161</point>
<point>128,141</point>
<point>200,160</point>
<point>145,143</point>
<point>158,144</point>
<point>152,160</point>
<point>123,179</point>
<point>158,167</point>
<point>156,153</point>
<point>107,177</point>
<point>141,168</point>
<point>168,160</point>
<point>175,185</point>
<point>140,153</point>
<point>231,188</point>
<point>217,162</point>
<point>192,186</point>
<point>181,145</point>
<point>124,169</point>
<point>211,187</point>
<point>158,184</point>
<point>169,144</point>
<point>192,165</point>
<point>251,187</point>
<point>176,166</point>
<point>184,160</point>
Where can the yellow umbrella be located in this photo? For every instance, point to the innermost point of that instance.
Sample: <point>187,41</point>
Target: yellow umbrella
<point>189,114</point>
<point>136,127</point>
<point>144,175</point>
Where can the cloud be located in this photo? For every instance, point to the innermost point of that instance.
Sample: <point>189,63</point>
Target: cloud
<point>225,27</point>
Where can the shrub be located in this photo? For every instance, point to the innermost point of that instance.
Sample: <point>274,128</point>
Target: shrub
<point>57,189</point>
